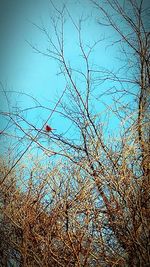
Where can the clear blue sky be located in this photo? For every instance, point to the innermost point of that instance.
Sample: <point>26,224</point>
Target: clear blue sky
<point>25,71</point>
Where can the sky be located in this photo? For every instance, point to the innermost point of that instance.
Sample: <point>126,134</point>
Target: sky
<point>23,70</point>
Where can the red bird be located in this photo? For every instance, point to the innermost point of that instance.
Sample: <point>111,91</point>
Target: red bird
<point>48,128</point>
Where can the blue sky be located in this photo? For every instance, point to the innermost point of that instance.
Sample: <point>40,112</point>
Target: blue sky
<point>23,70</point>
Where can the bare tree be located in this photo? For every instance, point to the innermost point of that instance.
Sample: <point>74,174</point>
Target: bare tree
<point>95,209</point>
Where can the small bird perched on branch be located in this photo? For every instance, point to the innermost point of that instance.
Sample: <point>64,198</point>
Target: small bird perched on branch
<point>48,128</point>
